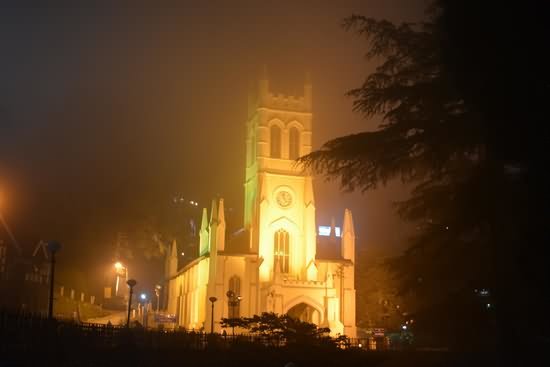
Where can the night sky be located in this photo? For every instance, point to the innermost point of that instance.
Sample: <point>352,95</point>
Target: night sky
<point>107,112</point>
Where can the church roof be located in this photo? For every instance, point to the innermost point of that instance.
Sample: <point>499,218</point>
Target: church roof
<point>329,248</point>
<point>238,242</point>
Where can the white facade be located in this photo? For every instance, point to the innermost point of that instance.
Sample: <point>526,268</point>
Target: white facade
<point>274,264</point>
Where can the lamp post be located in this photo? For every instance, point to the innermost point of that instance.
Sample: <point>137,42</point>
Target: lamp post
<point>131,283</point>
<point>212,299</point>
<point>53,247</point>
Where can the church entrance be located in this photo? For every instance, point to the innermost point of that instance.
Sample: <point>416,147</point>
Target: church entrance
<point>304,312</point>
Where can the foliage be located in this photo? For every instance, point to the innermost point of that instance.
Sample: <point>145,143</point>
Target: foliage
<point>432,137</point>
<point>279,327</point>
<point>235,322</point>
<point>342,341</point>
<point>379,303</point>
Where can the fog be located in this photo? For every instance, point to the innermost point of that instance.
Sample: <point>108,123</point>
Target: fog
<point>108,112</point>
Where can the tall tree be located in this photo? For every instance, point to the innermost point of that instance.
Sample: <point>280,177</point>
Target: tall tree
<point>434,134</point>
<point>498,63</point>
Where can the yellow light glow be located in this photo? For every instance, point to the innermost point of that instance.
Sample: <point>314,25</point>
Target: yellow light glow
<point>118,265</point>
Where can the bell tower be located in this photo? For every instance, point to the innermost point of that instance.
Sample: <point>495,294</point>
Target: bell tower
<point>279,202</point>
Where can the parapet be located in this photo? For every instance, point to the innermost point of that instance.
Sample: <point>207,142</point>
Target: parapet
<point>283,102</point>
<point>264,98</point>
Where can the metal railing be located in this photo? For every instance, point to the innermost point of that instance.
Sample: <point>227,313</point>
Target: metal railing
<point>28,331</point>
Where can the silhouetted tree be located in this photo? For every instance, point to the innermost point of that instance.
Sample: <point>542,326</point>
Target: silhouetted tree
<point>279,327</point>
<point>498,63</point>
<point>378,301</point>
<point>442,134</point>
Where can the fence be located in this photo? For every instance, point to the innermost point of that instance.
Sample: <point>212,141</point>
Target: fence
<point>24,332</point>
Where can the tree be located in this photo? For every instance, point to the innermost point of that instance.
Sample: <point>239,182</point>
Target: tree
<point>278,327</point>
<point>508,87</point>
<point>433,135</point>
<point>378,301</point>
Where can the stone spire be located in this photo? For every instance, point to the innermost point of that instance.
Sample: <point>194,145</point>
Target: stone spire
<point>348,236</point>
<point>171,265</point>
<point>174,250</point>
<point>214,213</point>
<point>204,222</point>
<point>214,225</point>
<point>203,234</point>
<point>221,227</point>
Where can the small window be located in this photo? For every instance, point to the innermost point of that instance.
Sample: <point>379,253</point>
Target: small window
<point>275,141</point>
<point>294,143</point>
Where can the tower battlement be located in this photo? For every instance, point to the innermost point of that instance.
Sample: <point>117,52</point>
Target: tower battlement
<point>283,102</point>
<point>263,98</point>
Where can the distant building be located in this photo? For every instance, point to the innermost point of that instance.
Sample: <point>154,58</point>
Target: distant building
<point>279,262</point>
<point>24,277</point>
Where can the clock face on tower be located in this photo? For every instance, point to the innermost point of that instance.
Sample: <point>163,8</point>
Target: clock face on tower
<point>284,199</point>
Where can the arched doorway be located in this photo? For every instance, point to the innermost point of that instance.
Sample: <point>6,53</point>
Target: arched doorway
<point>304,312</point>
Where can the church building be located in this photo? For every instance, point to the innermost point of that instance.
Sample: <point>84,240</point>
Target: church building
<point>280,261</point>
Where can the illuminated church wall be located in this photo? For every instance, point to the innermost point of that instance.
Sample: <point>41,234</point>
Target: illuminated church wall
<point>273,263</point>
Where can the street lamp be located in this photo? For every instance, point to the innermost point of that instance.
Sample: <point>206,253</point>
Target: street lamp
<point>131,283</point>
<point>53,247</point>
<point>212,299</point>
<point>157,293</point>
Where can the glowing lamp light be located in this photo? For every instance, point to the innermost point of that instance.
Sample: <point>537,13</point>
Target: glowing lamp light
<point>143,296</point>
<point>118,265</point>
<point>404,327</point>
<point>360,345</point>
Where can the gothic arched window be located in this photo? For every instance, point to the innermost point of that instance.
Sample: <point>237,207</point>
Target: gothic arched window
<point>281,248</point>
<point>275,141</point>
<point>235,300</point>
<point>294,143</point>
